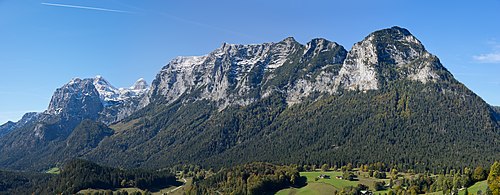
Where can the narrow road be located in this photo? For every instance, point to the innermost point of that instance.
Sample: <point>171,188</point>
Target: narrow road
<point>185,181</point>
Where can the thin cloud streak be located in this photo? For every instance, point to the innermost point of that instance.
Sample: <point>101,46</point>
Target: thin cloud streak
<point>183,20</point>
<point>85,7</point>
<point>488,58</point>
<point>158,13</point>
<point>493,57</point>
<point>204,25</point>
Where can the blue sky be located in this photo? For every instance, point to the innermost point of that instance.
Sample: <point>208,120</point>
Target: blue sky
<point>43,44</point>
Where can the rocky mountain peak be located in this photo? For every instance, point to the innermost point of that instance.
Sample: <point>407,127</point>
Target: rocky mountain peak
<point>395,32</point>
<point>397,45</point>
<point>107,92</point>
<point>111,95</point>
<point>226,74</point>
<point>96,99</point>
<point>27,118</point>
<point>240,74</point>
<point>387,55</point>
<point>101,83</point>
<point>140,84</point>
<point>6,128</point>
<point>289,41</point>
<point>9,126</point>
<point>318,45</point>
<point>77,98</point>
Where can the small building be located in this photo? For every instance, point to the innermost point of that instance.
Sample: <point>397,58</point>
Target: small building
<point>323,176</point>
<point>366,192</point>
<point>339,177</point>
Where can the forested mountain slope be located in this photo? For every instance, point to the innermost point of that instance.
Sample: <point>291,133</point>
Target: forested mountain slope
<point>387,100</point>
<point>41,140</point>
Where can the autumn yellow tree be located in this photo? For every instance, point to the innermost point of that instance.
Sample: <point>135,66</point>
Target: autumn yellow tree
<point>494,178</point>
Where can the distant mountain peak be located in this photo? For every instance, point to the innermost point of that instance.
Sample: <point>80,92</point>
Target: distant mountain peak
<point>94,98</point>
<point>74,80</point>
<point>391,36</point>
<point>140,84</point>
<point>9,126</point>
<point>395,30</point>
<point>107,92</point>
<point>6,128</point>
<point>79,97</point>
<point>110,95</point>
<point>27,117</point>
<point>101,80</point>
<point>289,40</point>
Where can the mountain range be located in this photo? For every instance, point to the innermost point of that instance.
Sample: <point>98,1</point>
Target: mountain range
<point>386,100</point>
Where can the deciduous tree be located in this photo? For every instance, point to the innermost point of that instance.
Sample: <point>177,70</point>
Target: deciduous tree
<point>494,178</point>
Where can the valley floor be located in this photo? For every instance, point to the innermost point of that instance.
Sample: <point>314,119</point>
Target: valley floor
<point>316,185</point>
<point>173,190</point>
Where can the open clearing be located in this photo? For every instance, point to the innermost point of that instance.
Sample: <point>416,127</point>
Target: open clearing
<point>174,190</point>
<point>310,189</point>
<point>54,170</point>
<point>316,185</point>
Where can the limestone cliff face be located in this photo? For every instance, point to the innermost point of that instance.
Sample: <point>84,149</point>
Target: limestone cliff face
<point>322,61</point>
<point>240,74</point>
<point>358,71</point>
<point>227,75</point>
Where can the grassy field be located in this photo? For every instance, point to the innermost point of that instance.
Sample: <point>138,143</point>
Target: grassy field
<point>482,185</point>
<point>327,186</point>
<point>310,189</point>
<point>337,183</point>
<point>436,193</point>
<point>130,190</point>
<point>119,127</point>
<point>54,170</point>
<point>173,190</point>
<point>92,191</point>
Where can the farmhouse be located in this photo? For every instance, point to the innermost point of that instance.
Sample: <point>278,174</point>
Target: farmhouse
<point>323,176</point>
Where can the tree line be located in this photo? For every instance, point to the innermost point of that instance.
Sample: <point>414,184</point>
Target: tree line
<point>253,178</point>
<point>77,175</point>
